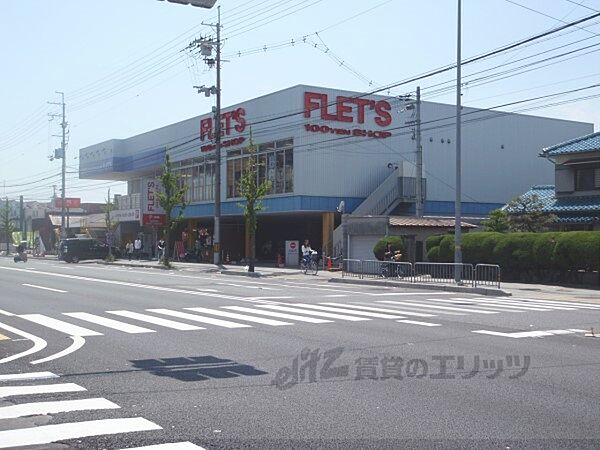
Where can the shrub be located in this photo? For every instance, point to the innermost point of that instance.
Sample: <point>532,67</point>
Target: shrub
<point>577,250</point>
<point>397,244</point>
<point>543,250</point>
<point>434,241</point>
<point>433,254</point>
<point>478,248</point>
<point>515,251</point>
<point>446,253</point>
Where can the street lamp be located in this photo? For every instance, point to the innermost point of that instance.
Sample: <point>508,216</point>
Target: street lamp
<point>217,91</point>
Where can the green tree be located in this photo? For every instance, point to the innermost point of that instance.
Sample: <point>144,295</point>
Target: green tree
<point>396,242</point>
<point>253,192</point>
<point>7,225</point>
<point>497,222</point>
<point>526,213</point>
<point>110,226</point>
<point>170,197</point>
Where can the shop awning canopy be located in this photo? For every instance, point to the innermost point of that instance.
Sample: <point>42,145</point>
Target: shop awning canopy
<point>438,222</point>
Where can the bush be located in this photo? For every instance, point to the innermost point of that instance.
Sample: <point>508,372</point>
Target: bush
<point>577,250</point>
<point>478,248</point>
<point>434,241</point>
<point>543,250</point>
<point>397,244</point>
<point>515,251</point>
<point>433,254</point>
<point>446,253</point>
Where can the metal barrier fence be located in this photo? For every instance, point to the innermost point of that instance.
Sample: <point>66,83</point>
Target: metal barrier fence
<point>487,275</point>
<point>352,268</point>
<point>444,273</point>
<point>438,273</point>
<point>387,269</point>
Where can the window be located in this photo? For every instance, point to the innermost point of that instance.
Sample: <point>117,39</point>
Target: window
<point>198,175</point>
<point>275,163</point>
<point>587,179</point>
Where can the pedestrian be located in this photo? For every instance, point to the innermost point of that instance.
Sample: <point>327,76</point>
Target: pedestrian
<point>160,247</point>
<point>137,247</point>
<point>129,249</point>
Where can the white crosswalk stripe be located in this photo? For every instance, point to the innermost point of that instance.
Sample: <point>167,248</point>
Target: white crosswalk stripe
<point>59,325</point>
<point>432,306</point>
<point>157,320</point>
<point>349,311</point>
<point>501,304</point>
<point>27,376</point>
<point>109,323</point>
<point>384,310</point>
<point>244,317</point>
<point>41,408</point>
<point>201,319</point>
<point>557,303</point>
<point>46,434</point>
<point>170,446</point>
<point>521,304</point>
<point>416,322</point>
<point>279,315</point>
<point>13,391</point>
<point>472,303</point>
<point>312,313</point>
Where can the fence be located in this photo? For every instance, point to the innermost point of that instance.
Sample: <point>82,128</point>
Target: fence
<point>435,273</point>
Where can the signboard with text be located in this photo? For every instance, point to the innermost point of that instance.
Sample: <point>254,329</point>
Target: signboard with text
<point>70,203</point>
<point>154,219</point>
<point>292,253</point>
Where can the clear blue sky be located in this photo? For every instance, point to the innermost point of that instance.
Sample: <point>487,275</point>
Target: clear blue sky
<point>120,66</point>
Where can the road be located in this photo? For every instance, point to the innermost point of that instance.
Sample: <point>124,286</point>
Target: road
<point>95,356</point>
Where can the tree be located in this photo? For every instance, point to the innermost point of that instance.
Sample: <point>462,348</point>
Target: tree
<point>110,225</point>
<point>253,192</point>
<point>526,213</point>
<point>7,224</point>
<point>497,222</point>
<point>171,196</point>
<point>396,242</point>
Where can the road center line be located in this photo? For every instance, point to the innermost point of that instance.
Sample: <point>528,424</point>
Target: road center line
<point>60,291</point>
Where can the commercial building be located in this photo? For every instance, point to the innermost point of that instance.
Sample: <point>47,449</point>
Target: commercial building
<point>320,147</point>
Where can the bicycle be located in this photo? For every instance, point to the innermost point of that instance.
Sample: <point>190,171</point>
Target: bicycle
<point>311,265</point>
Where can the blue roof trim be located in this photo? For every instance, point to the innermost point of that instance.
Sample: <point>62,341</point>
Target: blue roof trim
<point>587,143</point>
<point>565,205</point>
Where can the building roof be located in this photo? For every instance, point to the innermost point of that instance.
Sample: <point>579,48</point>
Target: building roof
<point>587,143</point>
<point>566,205</point>
<point>440,222</point>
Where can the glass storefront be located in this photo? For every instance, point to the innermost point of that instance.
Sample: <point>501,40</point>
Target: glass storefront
<point>275,163</point>
<point>198,174</point>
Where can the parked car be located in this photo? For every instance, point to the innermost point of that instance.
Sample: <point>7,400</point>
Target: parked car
<point>74,250</point>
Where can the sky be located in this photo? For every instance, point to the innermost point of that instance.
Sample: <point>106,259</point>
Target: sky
<point>124,70</point>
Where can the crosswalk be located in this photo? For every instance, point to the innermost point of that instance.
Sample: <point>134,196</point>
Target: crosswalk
<point>52,399</point>
<point>421,311</point>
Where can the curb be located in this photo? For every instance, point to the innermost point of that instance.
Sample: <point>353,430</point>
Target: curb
<point>432,287</point>
<point>255,274</point>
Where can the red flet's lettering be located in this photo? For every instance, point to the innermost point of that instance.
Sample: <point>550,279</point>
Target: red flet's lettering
<point>230,121</point>
<point>347,109</point>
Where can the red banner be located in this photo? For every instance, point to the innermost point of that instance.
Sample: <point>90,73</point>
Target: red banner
<point>70,203</point>
<point>154,219</point>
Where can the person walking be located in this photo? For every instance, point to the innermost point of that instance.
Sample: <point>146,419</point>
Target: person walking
<point>137,247</point>
<point>129,249</point>
<point>160,247</point>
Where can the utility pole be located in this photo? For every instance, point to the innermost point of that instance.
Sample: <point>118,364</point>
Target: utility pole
<point>419,190</point>
<point>63,156</point>
<point>457,203</point>
<point>22,218</point>
<point>206,46</point>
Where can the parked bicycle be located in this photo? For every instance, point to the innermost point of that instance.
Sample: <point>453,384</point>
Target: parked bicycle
<point>310,263</point>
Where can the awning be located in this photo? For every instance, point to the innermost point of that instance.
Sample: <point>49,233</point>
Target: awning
<point>437,222</point>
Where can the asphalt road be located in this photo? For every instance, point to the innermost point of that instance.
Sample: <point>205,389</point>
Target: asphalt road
<point>112,357</point>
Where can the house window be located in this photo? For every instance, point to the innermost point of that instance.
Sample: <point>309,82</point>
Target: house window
<point>198,175</point>
<point>587,178</point>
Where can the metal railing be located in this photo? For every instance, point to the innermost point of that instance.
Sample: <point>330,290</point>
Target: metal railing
<point>435,273</point>
<point>487,275</point>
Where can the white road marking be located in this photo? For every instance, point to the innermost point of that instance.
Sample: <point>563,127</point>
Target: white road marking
<point>416,322</point>
<point>384,310</point>
<point>276,314</point>
<point>170,446</point>
<point>526,334</point>
<point>500,304</point>
<point>349,311</point>
<point>206,290</point>
<point>522,304</point>
<point>42,408</point>
<point>410,293</point>
<point>157,320</point>
<point>268,298</point>
<point>11,391</point>
<point>313,313</point>
<point>78,342</point>
<point>249,286</point>
<point>38,343</point>
<point>6,313</point>
<point>47,434</point>
<point>567,304</point>
<point>109,323</point>
<point>60,291</point>
<point>231,315</point>
<point>27,376</point>
<point>201,319</point>
<point>448,308</point>
<point>336,295</point>
<point>500,308</point>
<point>59,325</point>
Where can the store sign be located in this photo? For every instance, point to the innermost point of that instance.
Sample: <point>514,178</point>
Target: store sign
<point>154,219</point>
<point>349,110</point>
<point>231,122</point>
<point>70,203</point>
<point>292,253</point>
<point>125,215</point>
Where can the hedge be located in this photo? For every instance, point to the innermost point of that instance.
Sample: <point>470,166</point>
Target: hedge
<point>519,252</point>
<point>397,244</point>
